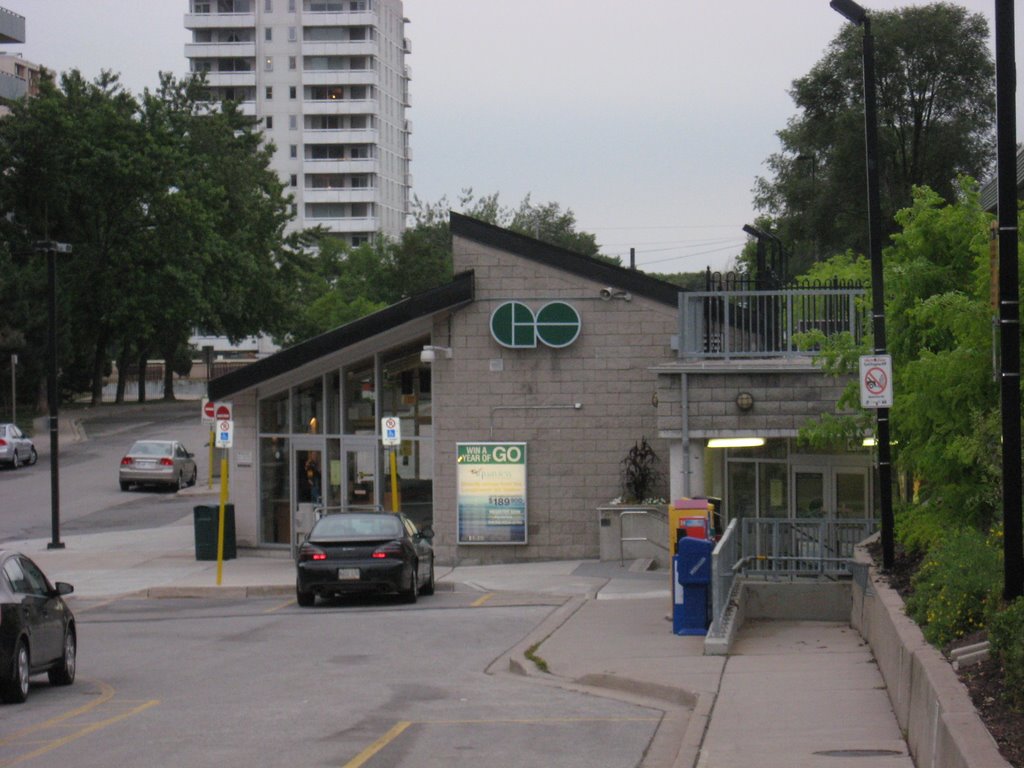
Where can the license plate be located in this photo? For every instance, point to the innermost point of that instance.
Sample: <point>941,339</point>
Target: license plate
<point>348,573</point>
<point>146,464</point>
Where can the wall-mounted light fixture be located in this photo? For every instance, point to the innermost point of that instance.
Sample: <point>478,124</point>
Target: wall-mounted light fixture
<point>430,353</point>
<point>735,442</point>
<point>744,401</point>
<point>609,293</point>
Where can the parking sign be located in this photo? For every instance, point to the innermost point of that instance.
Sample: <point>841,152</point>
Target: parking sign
<point>391,431</point>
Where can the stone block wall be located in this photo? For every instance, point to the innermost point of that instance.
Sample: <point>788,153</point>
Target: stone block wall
<point>489,393</point>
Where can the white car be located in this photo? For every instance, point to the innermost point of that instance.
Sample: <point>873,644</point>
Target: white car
<point>157,462</point>
<point>15,448</point>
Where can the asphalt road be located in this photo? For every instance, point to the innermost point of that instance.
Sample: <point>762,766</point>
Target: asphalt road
<point>90,498</point>
<point>369,683</point>
<point>365,682</point>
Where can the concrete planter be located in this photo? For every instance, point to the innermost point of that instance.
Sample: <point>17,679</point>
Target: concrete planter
<point>932,706</point>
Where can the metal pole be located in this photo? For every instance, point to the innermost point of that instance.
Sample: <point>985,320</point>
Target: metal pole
<point>51,394</point>
<point>877,286</point>
<point>14,390</point>
<point>1009,300</point>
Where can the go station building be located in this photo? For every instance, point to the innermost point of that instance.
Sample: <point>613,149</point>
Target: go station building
<point>502,404</point>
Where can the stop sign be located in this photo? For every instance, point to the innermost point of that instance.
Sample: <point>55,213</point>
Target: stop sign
<point>223,412</point>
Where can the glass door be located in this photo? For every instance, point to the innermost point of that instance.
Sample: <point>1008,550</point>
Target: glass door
<point>830,492</point>
<point>361,464</point>
<point>307,484</point>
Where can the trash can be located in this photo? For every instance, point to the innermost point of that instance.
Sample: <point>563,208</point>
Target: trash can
<point>207,521</point>
<point>691,609</point>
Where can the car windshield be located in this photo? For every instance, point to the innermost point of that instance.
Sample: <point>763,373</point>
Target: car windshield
<point>342,526</point>
<point>151,449</point>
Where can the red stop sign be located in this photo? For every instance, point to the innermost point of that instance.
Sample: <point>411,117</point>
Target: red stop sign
<point>223,412</point>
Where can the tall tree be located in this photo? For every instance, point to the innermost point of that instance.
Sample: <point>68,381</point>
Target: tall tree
<point>935,80</point>
<point>173,213</point>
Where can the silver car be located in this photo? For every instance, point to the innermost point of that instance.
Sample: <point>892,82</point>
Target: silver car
<point>15,448</point>
<point>157,462</point>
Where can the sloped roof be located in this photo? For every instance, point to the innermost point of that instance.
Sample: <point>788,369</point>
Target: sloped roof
<point>560,258</point>
<point>446,297</point>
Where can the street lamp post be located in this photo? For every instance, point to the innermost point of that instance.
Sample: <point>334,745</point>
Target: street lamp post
<point>51,249</point>
<point>854,13</point>
<point>1009,300</point>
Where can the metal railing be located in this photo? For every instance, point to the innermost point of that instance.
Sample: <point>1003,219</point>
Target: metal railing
<point>723,575</point>
<point>800,547</point>
<point>623,513</point>
<point>733,323</point>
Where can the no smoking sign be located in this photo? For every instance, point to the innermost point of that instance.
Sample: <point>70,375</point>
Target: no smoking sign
<point>876,381</point>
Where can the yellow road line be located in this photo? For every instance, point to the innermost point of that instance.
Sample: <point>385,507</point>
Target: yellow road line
<point>279,607</point>
<point>106,694</point>
<point>378,745</point>
<point>481,600</point>
<point>85,731</point>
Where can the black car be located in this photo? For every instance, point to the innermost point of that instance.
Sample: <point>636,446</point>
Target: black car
<point>37,629</point>
<point>365,552</point>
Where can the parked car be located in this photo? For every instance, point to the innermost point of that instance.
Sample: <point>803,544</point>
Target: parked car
<point>365,552</point>
<point>157,462</point>
<point>15,448</point>
<point>37,629</point>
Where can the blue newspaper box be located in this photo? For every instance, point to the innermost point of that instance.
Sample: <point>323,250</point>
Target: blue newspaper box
<point>691,609</point>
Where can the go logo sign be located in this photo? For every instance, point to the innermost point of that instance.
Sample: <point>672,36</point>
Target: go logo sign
<point>514,325</point>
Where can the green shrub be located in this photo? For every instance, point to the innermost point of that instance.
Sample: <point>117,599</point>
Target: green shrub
<point>1006,636</point>
<point>922,527</point>
<point>957,587</point>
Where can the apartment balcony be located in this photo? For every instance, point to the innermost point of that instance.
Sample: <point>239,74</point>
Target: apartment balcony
<point>335,19</point>
<point>12,87</point>
<point>367,224</point>
<point>231,79</point>
<point>220,20</point>
<point>339,48</point>
<point>340,77</point>
<point>346,195</point>
<point>220,50</point>
<point>12,27</point>
<point>347,136</point>
<point>340,107</point>
<point>370,165</point>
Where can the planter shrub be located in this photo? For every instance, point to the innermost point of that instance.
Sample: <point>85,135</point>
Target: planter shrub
<point>957,587</point>
<point>1006,637</point>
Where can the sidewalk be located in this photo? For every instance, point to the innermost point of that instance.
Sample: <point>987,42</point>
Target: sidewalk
<point>792,694</point>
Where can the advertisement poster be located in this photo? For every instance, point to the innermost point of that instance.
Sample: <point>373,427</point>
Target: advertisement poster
<point>491,493</point>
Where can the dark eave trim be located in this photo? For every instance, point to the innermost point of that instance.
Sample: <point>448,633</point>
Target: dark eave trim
<point>560,258</point>
<point>447,297</point>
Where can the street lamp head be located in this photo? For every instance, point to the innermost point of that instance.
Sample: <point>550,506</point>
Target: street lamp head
<point>849,10</point>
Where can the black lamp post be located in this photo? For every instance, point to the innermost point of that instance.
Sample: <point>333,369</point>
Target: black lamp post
<point>51,249</point>
<point>1009,300</point>
<point>854,13</point>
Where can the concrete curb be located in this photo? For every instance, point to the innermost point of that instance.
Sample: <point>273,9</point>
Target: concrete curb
<point>685,716</point>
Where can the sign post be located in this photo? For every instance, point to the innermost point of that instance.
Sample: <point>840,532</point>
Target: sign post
<point>391,437</point>
<point>225,431</point>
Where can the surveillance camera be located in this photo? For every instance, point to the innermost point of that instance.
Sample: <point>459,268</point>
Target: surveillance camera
<point>427,356</point>
<point>607,293</point>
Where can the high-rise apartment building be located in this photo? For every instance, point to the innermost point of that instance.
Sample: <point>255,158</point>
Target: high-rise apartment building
<point>329,82</point>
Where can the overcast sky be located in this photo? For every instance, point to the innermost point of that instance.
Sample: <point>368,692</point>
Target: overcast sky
<point>650,119</point>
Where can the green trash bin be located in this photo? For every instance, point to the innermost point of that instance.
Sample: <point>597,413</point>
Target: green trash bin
<point>207,520</point>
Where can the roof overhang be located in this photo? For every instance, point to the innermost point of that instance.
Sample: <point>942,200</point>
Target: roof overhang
<point>445,298</point>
